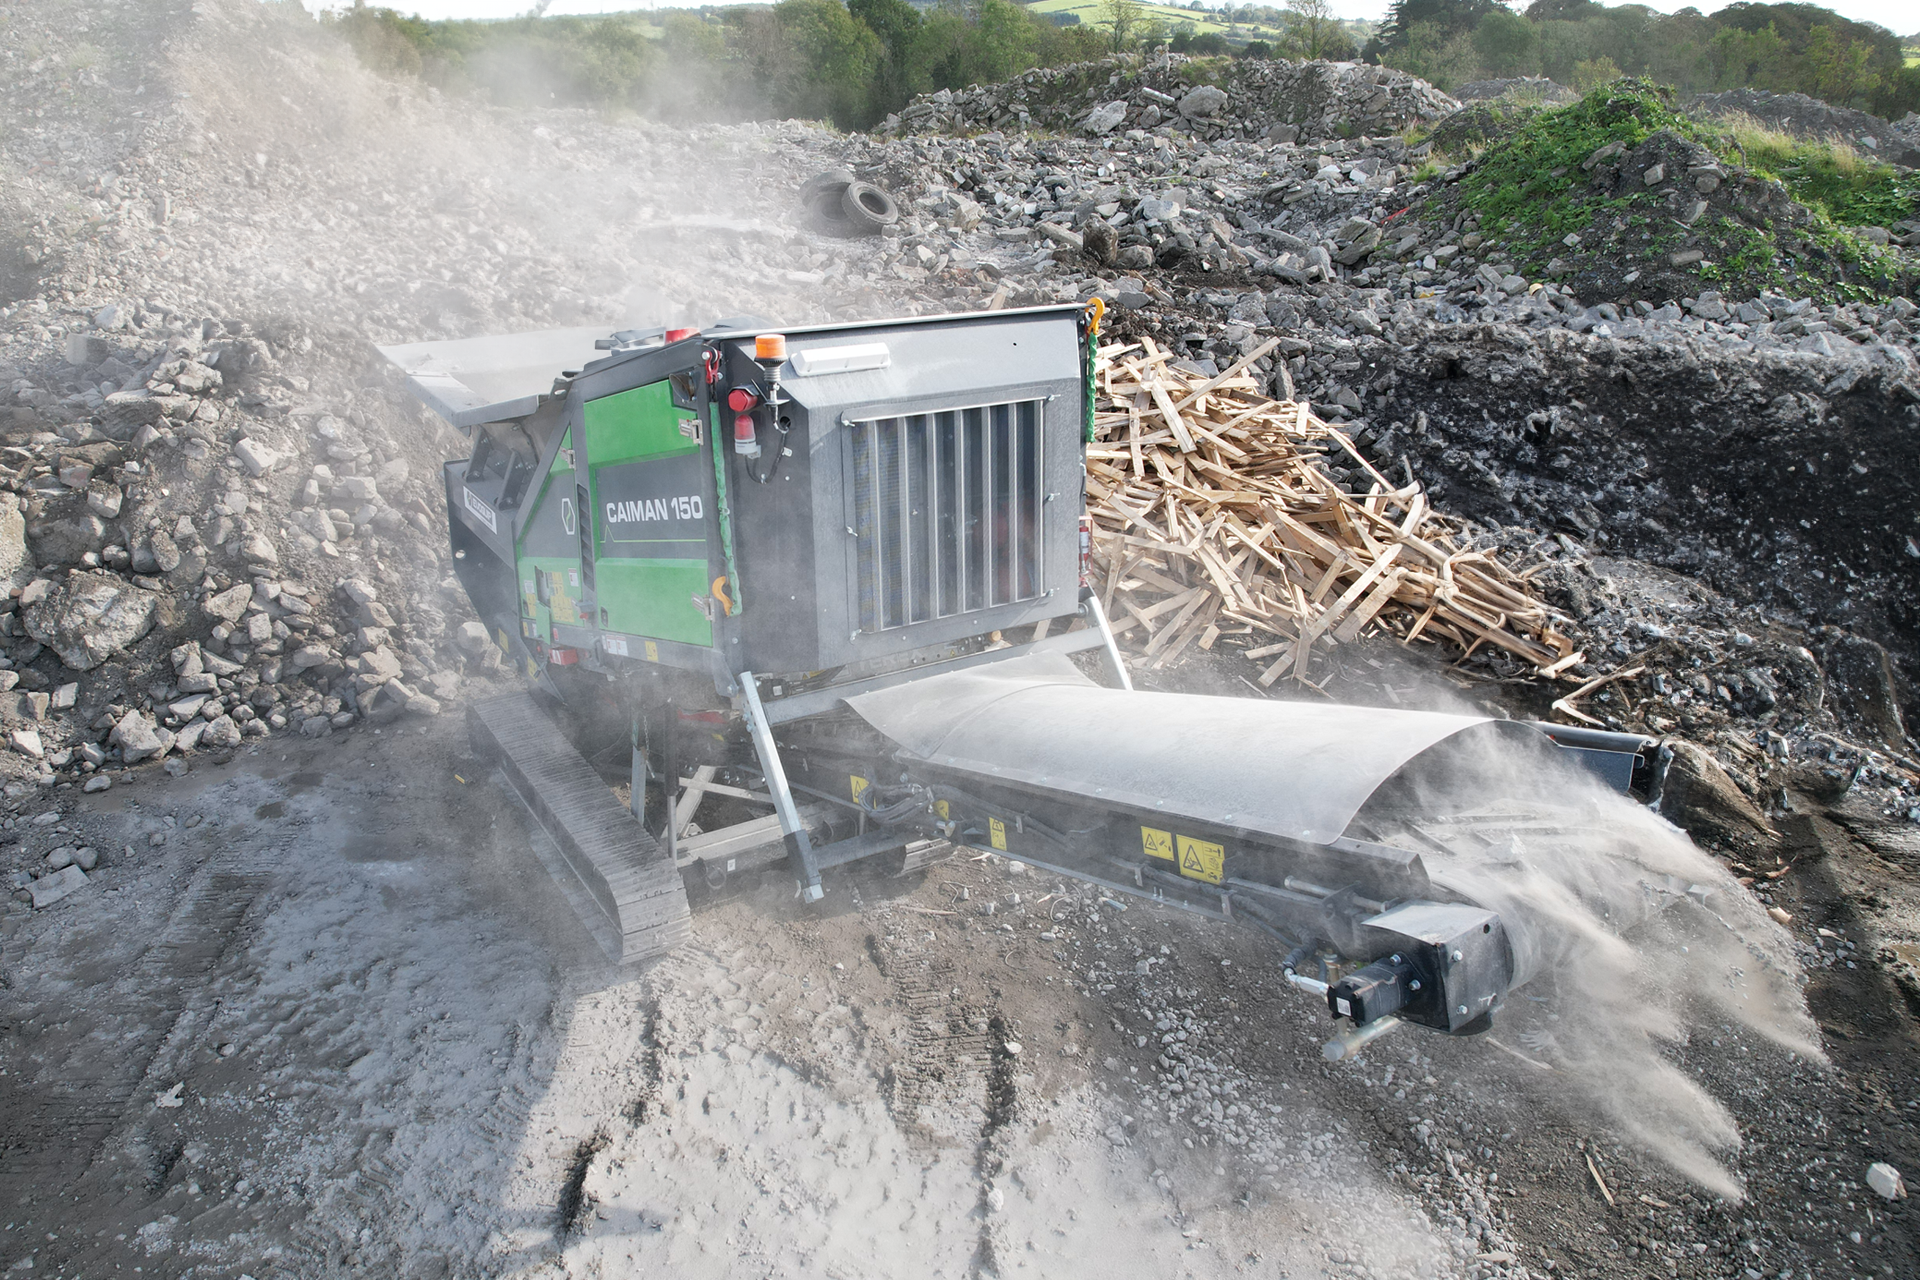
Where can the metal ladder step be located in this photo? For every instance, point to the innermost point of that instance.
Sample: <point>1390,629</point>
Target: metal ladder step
<point>634,903</point>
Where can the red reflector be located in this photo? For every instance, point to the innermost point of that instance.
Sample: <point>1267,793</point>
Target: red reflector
<point>740,400</point>
<point>746,440</point>
<point>680,335</point>
<point>563,657</point>
<point>703,717</point>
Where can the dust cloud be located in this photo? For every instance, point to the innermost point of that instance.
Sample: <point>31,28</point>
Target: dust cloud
<point>1629,941</point>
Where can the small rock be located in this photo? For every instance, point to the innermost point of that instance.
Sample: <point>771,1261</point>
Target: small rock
<point>1886,1181</point>
<point>98,782</point>
<point>48,890</point>
<point>254,456</point>
<point>86,858</point>
<point>27,743</point>
<point>136,737</point>
<point>1104,119</point>
<point>471,637</point>
<point>360,591</point>
<point>228,605</point>
<point>104,499</point>
<point>308,656</point>
<point>1202,101</point>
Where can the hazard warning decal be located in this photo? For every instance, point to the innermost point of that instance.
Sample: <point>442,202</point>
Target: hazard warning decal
<point>1202,859</point>
<point>1156,843</point>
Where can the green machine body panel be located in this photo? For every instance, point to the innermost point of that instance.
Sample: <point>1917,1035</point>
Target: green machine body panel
<point>548,560</point>
<point>917,484</point>
<point>648,486</point>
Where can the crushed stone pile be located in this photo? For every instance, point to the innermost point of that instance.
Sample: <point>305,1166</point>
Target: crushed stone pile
<point>221,515</point>
<point>1537,89</point>
<point>1210,97</point>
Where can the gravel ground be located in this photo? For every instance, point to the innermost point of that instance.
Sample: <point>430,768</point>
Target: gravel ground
<point>314,1012</point>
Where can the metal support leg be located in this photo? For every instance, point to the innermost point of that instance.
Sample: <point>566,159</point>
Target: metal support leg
<point>637,778</point>
<point>1097,619</point>
<point>799,848</point>
<point>690,798</point>
<point>669,775</point>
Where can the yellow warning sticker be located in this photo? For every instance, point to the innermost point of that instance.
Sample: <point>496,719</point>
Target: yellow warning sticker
<point>1202,859</point>
<point>1156,843</point>
<point>940,808</point>
<point>998,831</point>
<point>653,652</point>
<point>856,784</point>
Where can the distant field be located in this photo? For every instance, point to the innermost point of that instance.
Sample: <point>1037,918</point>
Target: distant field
<point>1093,13</point>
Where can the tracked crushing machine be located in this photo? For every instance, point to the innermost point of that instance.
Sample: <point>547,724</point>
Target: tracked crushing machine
<point>818,591</point>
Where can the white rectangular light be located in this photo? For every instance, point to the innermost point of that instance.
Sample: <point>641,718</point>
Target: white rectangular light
<point>819,360</point>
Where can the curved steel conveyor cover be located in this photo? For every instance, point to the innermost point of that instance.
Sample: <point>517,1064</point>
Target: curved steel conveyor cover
<point>1297,770</point>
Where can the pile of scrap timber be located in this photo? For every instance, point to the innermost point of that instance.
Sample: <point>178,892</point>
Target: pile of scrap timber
<point>1217,513</point>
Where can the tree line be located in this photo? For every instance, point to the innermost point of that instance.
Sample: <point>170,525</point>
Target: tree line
<point>1786,48</point>
<point>854,61</point>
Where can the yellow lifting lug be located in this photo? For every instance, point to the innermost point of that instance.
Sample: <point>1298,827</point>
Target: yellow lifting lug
<point>1090,318</point>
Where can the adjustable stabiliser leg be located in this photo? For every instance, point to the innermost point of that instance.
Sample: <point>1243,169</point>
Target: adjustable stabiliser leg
<point>799,848</point>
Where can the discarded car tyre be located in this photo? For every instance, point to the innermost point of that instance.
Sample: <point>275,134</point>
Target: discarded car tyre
<point>869,208</point>
<point>831,181</point>
<point>825,215</point>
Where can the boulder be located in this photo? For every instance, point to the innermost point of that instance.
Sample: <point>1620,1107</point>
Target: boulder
<point>221,733</point>
<point>64,539</point>
<point>16,562</point>
<point>90,617</point>
<point>1703,800</point>
<point>309,656</point>
<point>1202,102</point>
<point>471,637</point>
<point>228,605</point>
<point>1862,688</point>
<point>137,737</point>
<point>1107,117</point>
<point>48,890</point>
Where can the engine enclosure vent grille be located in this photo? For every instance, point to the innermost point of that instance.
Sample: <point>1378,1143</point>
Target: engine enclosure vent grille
<point>947,510</point>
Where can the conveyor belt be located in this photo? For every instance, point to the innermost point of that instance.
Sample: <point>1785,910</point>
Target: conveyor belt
<point>630,881</point>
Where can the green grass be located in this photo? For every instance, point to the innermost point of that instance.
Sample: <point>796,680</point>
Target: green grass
<point>1853,190</point>
<point>1532,182</point>
<point>1529,190</point>
<point>1093,13</point>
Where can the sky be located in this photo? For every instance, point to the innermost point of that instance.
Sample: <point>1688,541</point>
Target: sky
<point>1900,16</point>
